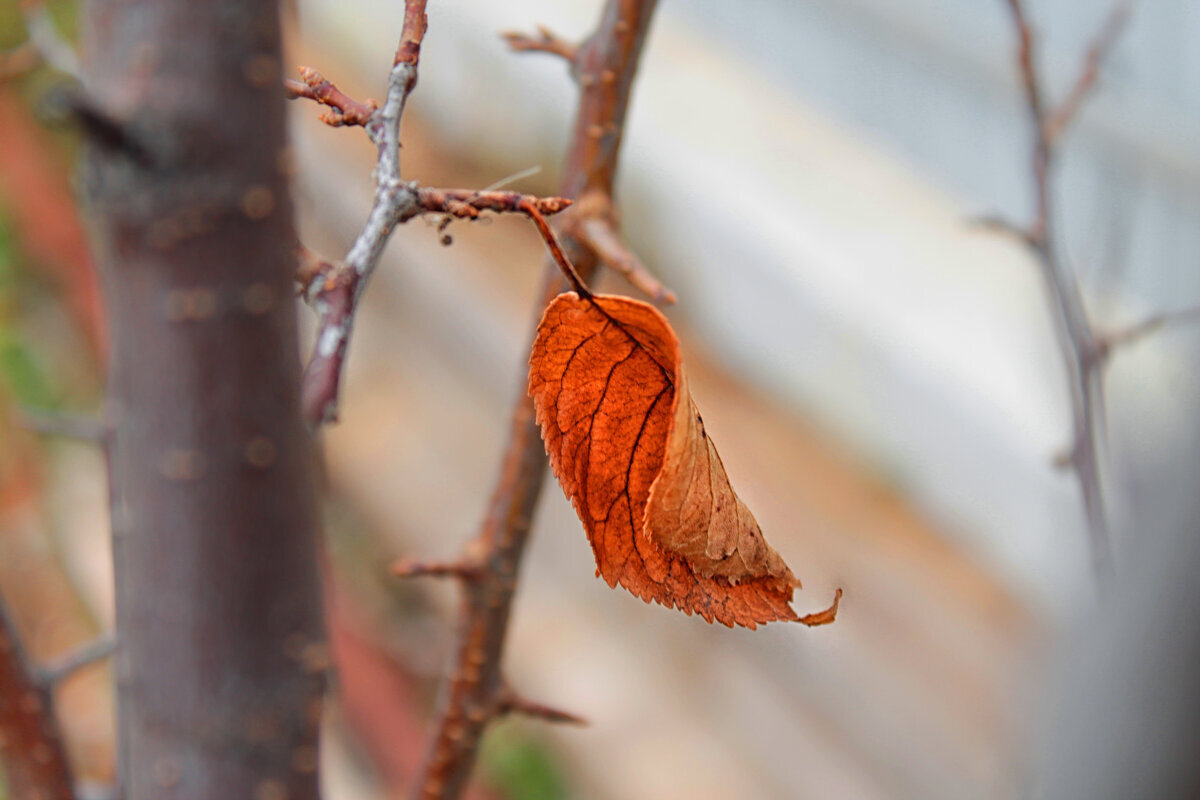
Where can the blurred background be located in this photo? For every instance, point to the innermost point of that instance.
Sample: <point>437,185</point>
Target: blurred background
<point>882,377</point>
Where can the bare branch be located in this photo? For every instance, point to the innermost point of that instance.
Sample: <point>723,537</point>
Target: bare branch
<point>1153,324</point>
<point>72,105</point>
<point>82,427</point>
<point>1098,51</point>
<point>335,296</point>
<point>599,234</point>
<point>513,703</point>
<point>344,110</point>
<point>547,41</point>
<point>473,689</point>
<point>310,269</point>
<point>85,655</point>
<point>1080,346</point>
<point>32,755</point>
<point>464,569</point>
<point>1003,226</point>
<point>468,203</point>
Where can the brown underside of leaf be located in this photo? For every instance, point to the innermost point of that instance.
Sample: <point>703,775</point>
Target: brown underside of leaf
<point>630,450</point>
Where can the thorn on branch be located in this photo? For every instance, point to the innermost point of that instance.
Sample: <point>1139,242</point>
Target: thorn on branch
<point>599,235</point>
<point>310,267</point>
<point>1106,343</point>
<point>992,224</point>
<point>547,41</point>
<point>1064,459</point>
<point>343,109</point>
<point>466,569</point>
<point>513,703</point>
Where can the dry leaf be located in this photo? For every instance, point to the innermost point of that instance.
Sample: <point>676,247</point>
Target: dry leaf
<point>630,451</point>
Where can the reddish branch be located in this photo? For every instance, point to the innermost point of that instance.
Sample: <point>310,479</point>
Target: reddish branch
<point>474,690</point>
<point>1083,350</point>
<point>344,110</point>
<point>547,41</point>
<point>31,748</point>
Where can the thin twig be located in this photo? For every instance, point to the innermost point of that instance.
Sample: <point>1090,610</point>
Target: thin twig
<point>547,41</point>
<point>335,297</point>
<point>1077,337</point>
<point>560,257</point>
<point>473,690</point>
<point>86,654</point>
<point>1127,337</point>
<point>34,760</point>
<point>600,236</point>
<point>343,109</point>
<point>513,703</point>
<point>1098,51</point>
<point>995,224</point>
<point>464,569</point>
<point>81,427</point>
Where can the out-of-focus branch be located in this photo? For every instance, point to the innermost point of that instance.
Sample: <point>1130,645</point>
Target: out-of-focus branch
<point>215,523</point>
<point>473,690</point>
<point>547,41</point>
<point>1125,337</point>
<point>1097,53</point>
<point>513,703</point>
<point>598,233</point>
<point>84,655</point>
<point>31,747</point>
<point>1081,348</point>
<point>81,427</point>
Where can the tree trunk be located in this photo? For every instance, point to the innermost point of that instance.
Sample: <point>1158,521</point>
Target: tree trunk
<point>221,652</point>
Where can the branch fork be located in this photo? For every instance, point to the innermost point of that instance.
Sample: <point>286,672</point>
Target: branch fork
<point>1083,349</point>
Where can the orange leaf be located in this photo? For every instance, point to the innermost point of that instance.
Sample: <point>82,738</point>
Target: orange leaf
<point>630,451</point>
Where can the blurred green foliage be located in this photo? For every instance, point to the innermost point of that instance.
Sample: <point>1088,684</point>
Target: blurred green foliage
<point>12,25</point>
<point>22,372</point>
<point>521,767</point>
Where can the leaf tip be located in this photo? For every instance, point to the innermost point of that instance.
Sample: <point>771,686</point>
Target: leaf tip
<point>823,617</point>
